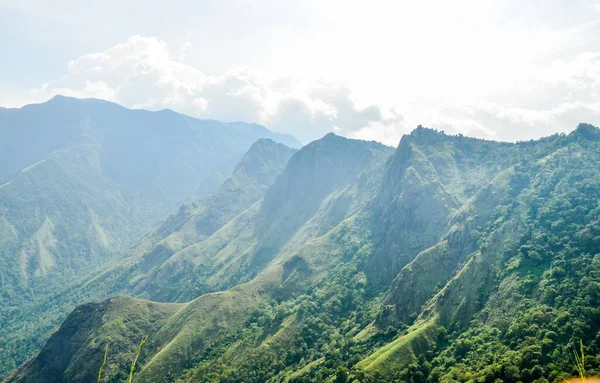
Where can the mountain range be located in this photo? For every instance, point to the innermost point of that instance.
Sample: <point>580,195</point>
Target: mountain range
<point>447,259</point>
<point>83,180</point>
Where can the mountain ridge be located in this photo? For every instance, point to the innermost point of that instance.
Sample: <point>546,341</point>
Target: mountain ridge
<point>450,259</point>
<point>84,179</point>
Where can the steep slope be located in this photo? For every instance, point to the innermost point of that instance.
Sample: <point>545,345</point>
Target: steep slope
<point>112,171</point>
<point>197,258</point>
<point>309,198</point>
<point>248,183</point>
<point>429,178</point>
<point>197,222</point>
<point>118,321</point>
<point>497,249</point>
<point>284,267</point>
<point>532,230</point>
<point>82,180</point>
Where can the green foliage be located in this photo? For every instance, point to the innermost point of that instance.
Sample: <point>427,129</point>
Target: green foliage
<point>460,260</point>
<point>80,190</point>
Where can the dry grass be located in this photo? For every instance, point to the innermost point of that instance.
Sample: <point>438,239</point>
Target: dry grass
<point>579,361</point>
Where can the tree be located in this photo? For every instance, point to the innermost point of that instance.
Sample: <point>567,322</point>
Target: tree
<point>341,375</point>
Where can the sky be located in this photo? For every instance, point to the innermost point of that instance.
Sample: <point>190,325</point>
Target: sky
<point>503,70</point>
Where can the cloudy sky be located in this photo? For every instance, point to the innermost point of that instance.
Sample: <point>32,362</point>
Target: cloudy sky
<point>506,70</point>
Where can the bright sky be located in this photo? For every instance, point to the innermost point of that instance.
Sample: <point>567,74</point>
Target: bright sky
<point>506,70</point>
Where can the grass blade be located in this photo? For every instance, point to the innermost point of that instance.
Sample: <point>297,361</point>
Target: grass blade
<point>103,363</point>
<point>136,358</point>
<point>579,361</point>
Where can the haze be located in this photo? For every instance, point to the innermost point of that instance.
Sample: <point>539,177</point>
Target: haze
<point>504,70</point>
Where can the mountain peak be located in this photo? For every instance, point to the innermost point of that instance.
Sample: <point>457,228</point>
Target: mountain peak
<point>322,166</point>
<point>265,146</point>
<point>262,157</point>
<point>423,131</point>
<point>587,132</point>
<point>261,142</point>
<point>58,97</point>
<point>61,101</point>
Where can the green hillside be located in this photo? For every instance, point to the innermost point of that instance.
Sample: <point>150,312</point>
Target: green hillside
<point>451,260</point>
<point>81,181</point>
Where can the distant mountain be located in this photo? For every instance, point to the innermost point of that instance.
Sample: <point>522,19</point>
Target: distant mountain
<point>82,180</point>
<point>34,132</point>
<point>165,252</point>
<point>451,259</point>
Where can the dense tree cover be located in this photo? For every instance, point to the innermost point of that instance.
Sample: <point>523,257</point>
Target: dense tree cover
<point>556,276</point>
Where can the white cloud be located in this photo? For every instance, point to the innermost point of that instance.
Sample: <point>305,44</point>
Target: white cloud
<point>572,81</point>
<point>582,72</point>
<point>494,121</point>
<point>561,95</point>
<point>387,133</point>
<point>142,73</point>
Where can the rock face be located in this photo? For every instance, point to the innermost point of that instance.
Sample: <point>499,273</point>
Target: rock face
<point>430,176</point>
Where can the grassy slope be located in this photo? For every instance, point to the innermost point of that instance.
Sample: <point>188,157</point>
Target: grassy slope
<point>269,230</point>
<point>119,322</point>
<point>82,180</point>
<point>285,270</point>
<point>485,290</point>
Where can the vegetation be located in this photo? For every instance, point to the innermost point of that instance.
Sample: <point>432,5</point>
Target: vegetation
<point>451,260</point>
<point>103,364</point>
<point>579,360</point>
<point>139,351</point>
<point>80,182</point>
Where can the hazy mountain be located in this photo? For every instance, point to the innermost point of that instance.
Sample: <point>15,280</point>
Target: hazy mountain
<point>163,253</point>
<point>82,180</point>
<point>451,259</point>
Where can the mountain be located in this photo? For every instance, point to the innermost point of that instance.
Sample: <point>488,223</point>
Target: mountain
<point>451,259</point>
<point>164,252</point>
<point>157,252</point>
<point>82,180</point>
